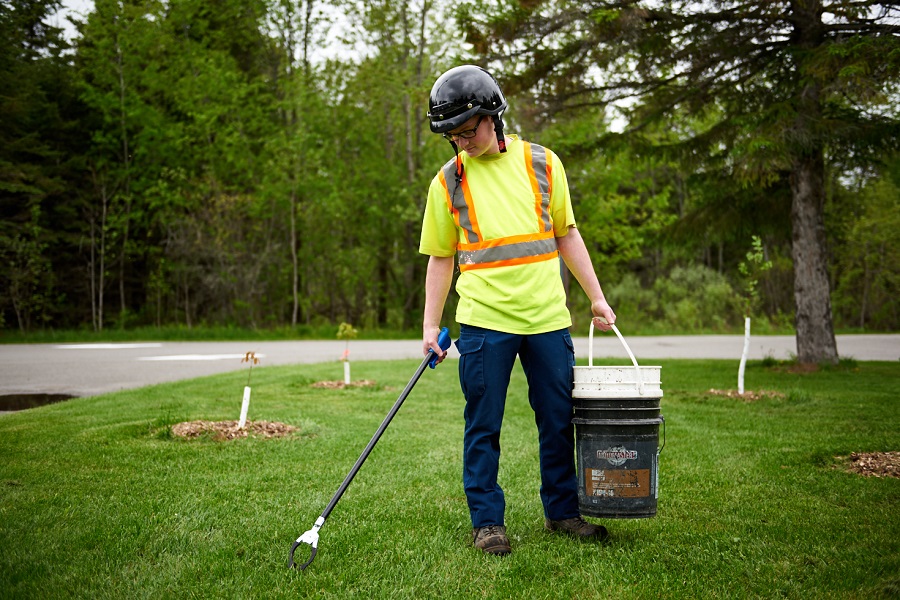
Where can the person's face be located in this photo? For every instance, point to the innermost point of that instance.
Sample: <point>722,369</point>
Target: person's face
<point>483,142</point>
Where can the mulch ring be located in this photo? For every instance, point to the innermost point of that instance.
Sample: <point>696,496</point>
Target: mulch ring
<point>872,464</point>
<point>747,396</point>
<point>228,430</point>
<point>338,385</point>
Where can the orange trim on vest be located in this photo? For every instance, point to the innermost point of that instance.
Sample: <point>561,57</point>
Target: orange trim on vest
<point>453,212</point>
<point>473,216</point>
<point>443,181</point>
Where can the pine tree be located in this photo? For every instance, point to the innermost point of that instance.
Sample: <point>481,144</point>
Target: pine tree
<point>782,87</point>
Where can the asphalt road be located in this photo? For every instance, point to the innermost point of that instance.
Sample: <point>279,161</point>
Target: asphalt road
<point>92,369</point>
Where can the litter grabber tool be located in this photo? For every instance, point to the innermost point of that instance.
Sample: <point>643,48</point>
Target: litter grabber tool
<point>311,537</point>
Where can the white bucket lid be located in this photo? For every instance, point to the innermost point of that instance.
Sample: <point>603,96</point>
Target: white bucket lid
<point>615,382</point>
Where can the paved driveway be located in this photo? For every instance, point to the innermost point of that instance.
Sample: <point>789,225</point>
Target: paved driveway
<point>91,369</point>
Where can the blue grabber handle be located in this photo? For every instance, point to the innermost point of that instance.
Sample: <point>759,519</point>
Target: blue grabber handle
<point>443,342</point>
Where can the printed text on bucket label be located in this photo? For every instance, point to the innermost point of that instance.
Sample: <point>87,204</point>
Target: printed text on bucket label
<point>617,455</point>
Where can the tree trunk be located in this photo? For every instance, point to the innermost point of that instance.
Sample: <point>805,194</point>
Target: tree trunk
<point>812,294</point>
<point>187,303</point>
<point>812,291</point>
<point>295,266</point>
<point>101,285</point>
<point>126,163</point>
<point>92,268</point>
<point>295,124</point>
<point>98,251</point>
<point>413,275</point>
<point>865,291</point>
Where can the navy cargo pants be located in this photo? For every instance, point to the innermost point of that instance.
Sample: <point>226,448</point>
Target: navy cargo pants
<point>486,361</point>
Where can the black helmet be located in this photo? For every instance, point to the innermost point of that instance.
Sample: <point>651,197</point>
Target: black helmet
<point>461,93</point>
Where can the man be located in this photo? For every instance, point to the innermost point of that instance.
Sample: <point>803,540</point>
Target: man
<point>502,206</point>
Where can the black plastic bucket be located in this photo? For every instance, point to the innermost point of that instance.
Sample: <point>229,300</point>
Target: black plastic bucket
<point>618,458</point>
<point>617,425</point>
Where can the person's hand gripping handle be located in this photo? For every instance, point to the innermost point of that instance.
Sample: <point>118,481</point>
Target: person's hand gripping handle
<point>444,343</point>
<point>436,339</point>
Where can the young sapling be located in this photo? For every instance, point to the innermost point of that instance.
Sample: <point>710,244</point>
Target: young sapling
<point>346,332</point>
<point>751,270</point>
<point>249,357</point>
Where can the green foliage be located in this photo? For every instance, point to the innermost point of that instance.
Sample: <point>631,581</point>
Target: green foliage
<point>235,168</point>
<point>346,331</point>
<point>622,202</point>
<point>36,94</point>
<point>691,299</point>
<point>199,332</point>
<point>751,269</point>
<point>868,264</point>
<point>26,279</point>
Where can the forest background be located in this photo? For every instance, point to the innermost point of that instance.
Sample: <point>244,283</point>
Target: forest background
<point>264,163</point>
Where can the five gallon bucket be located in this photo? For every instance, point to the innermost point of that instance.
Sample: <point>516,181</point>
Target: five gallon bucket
<point>617,421</point>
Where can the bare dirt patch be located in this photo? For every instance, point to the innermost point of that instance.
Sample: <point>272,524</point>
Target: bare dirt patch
<point>747,396</point>
<point>228,430</point>
<point>872,464</point>
<point>338,385</point>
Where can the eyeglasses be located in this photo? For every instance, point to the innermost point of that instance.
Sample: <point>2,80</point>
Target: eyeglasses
<point>468,134</point>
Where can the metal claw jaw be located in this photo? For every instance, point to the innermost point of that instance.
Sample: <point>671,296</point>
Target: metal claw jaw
<point>311,537</point>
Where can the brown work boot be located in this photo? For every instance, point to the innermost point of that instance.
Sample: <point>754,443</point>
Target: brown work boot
<point>577,527</point>
<point>491,539</point>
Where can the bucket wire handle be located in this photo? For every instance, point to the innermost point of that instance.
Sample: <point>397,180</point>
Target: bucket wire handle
<point>660,449</point>
<point>637,370</point>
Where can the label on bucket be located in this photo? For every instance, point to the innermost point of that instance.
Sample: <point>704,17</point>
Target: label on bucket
<point>617,483</point>
<point>617,455</point>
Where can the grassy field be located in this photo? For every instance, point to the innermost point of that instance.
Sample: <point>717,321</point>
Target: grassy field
<point>98,499</point>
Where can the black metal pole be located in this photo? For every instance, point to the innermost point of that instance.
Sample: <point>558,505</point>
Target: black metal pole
<point>384,425</point>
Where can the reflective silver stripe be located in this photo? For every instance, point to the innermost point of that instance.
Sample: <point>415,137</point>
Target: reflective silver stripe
<point>539,163</point>
<point>507,252</point>
<point>458,199</point>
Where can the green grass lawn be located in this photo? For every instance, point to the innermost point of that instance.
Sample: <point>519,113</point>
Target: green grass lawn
<point>99,500</point>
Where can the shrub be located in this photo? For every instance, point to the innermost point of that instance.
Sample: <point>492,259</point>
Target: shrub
<point>690,299</point>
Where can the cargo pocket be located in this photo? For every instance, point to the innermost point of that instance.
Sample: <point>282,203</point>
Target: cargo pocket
<point>471,362</point>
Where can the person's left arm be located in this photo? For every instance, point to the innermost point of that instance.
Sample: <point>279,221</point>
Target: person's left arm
<point>572,247</point>
<point>574,253</point>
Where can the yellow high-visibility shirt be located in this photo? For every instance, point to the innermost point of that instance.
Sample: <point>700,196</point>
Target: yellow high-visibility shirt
<point>522,298</point>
